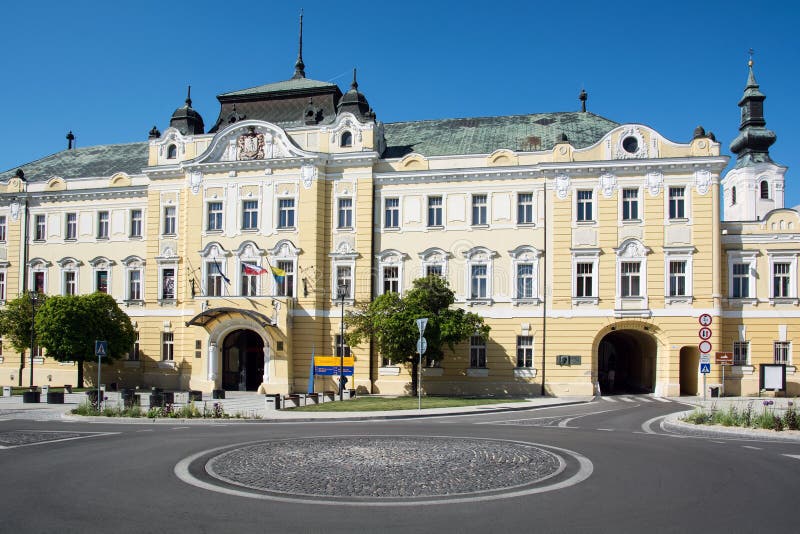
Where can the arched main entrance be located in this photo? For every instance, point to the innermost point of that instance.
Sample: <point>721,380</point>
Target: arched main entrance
<point>242,361</point>
<point>690,364</point>
<point>626,362</point>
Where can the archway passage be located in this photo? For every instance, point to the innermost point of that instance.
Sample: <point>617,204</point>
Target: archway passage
<point>242,361</point>
<point>626,362</point>
<point>690,363</point>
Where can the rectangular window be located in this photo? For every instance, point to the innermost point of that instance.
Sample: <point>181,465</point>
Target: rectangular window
<point>71,226</point>
<point>286,286</point>
<point>214,221</point>
<point>677,278</point>
<point>250,215</point>
<point>213,279</point>
<point>433,270</point>
<point>339,347</point>
<point>38,282</point>
<point>136,223</point>
<point>525,208</point>
<point>249,283</point>
<point>434,211</point>
<point>198,348</point>
<point>70,283</point>
<point>477,352</point>
<point>780,280</point>
<point>676,203</point>
<point>630,279</point>
<point>39,232</point>
<point>479,280</point>
<point>741,352</point>
<point>167,346</point>
<point>783,352</point>
<point>583,280</point>
<point>585,206</point>
<point>344,277</point>
<point>135,284</point>
<point>2,288</point>
<point>2,228</point>
<point>479,209</point>
<point>170,220</point>
<point>101,281</point>
<point>741,281</point>
<point>286,213</point>
<point>133,355</point>
<point>345,217</point>
<point>391,279</point>
<point>168,284</point>
<point>524,280</point>
<point>102,225</point>
<point>524,351</point>
<point>391,218</point>
<point>630,204</point>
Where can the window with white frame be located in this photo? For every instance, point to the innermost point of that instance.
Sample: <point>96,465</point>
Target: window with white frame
<point>136,224</point>
<point>39,281</point>
<point>525,280</point>
<point>740,289</point>
<point>70,283</point>
<point>585,206</point>
<point>2,286</point>
<point>677,202</point>
<point>3,228</point>
<point>168,283</point>
<point>102,225</point>
<point>741,353</point>
<point>344,278</point>
<point>781,280</point>
<point>524,269</point>
<point>345,213</point>
<point>479,281</point>
<point>71,227</point>
<point>170,220</point>
<point>101,280</point>
<point>40,228</point>
<point>783,352</point>
<point>584,279</point>
<point>477,352</point>
<point>764,189</point>
<point>285,286</point>
<point>479,273</point>
<point>630,204</point>
<point>250,215</point>
<point>525,208</point>
<point>249,281</point>
<point>134,283</point>
<point>525,351</point>
<point>133,354</point>
<point>678,274</point>
<point>214,217</point>
<point>214,278</point>
<point>167,346</point>
<point>630,279</point>
<point>479,210</point>
<point>391,213</point>
<point>677,278</point>
<point>435,205</point>
<point>391,279</point>
<point>631,274</point>
<point>284,257</point>
<point>434,270</point>
<point>286,213</point>
<point>741,274</point>
<point>434,262</point>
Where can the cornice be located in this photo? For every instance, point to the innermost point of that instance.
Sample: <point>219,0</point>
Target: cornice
<point>760,239</point>
<point>135,191</point>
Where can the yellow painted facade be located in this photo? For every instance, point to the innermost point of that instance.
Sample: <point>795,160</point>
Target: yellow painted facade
<point>591,261</point>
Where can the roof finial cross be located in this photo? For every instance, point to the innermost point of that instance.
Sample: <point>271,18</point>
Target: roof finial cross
<point>750,62</point>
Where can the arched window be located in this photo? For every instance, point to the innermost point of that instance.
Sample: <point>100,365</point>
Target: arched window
<point>733,196</point>
<point>172,152</point>
<point>764,189</point>
<point>347,139</point>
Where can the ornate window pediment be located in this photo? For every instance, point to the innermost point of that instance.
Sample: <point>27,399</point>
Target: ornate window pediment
<point>284,249</point>
<point>214,250</point>
<point>632,249</point>
<point>101,261</point>
<point>251,140</point>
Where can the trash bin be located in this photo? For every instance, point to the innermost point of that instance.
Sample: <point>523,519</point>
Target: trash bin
<point>130,398</point>
<point>195,395</point>
<point>157,400</point>
<point>218,394</point>
<point>55,397</point>
<point>31,396</point>
<point>714,391</point>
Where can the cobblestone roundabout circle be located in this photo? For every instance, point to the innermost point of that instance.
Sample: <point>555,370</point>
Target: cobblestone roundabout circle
<point>386,469</point>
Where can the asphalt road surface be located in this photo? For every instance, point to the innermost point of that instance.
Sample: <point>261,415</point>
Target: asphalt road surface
<point>604,466</point>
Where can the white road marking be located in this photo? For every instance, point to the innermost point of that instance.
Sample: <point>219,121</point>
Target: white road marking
<point>606,429</point>
<point>565,422</point>
<point>795,456</point>
<point>626,399</point>
<point>608,399</point>
<point>661,399</point>
<point>750,447</point>
<point>89,435</point>
<point>644,399</point>
<point>147,430</point>
<point>720,442</point>
<point>179,427</point>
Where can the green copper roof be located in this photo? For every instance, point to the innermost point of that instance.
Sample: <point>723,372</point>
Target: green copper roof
<point>484,135</point>
<point>287,85</point>
<point>86,162</point>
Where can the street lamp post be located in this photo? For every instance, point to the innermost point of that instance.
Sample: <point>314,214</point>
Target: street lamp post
<point>34,301</point>
<point>341,292</point>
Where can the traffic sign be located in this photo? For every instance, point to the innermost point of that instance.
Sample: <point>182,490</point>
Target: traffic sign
<point>421,324</point>
<point>422,345</point>
<point>724,358</point>
<point>705,358</point>
<point>704,333</point>
<point>101,348</point>
<point>705,320</point>
<point>705,368</point>
<point>705,347</point>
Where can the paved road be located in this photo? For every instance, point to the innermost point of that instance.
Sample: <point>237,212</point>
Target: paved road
<point>604,466</point>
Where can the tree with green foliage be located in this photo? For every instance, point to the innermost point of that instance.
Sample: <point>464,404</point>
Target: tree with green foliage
<point>16,322</point>
<point>390,322</point>
<point>68,326</point>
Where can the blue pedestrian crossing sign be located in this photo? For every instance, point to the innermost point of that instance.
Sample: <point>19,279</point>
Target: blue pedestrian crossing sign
<point>101,348</point>
<point>705,368</point>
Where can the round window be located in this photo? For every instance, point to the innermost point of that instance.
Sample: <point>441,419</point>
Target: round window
<point>630,144</point>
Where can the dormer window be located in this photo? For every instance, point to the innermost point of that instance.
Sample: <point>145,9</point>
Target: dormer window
<point>172,152</point>
<point>764,186</point>
<point>347,139</point>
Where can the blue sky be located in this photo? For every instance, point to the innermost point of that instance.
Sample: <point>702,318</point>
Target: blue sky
<point>109,71</point>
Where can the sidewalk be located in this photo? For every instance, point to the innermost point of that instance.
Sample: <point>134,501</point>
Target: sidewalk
<point>252,407</point>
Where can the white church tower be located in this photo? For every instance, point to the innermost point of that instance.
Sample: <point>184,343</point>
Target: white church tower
<point>755,185</point>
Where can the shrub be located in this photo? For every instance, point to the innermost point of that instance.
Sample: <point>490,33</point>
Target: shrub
<point>790,420</point>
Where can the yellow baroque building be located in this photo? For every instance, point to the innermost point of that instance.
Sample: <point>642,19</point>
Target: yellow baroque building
<point>590,247</point>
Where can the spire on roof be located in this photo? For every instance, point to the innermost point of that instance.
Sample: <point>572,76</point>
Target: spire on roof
<point>354,85</point>
<point>752,144</point>
<point>299,66</point>
<point>583,97</point>
<point>189,97</point>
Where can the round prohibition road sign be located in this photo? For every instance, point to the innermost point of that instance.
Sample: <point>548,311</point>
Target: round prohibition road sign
<point>705,347</point>
<point>705,320</point>
<point>704,333</point>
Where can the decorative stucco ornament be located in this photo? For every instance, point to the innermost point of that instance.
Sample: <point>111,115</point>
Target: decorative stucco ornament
<point>195,179</point>
<point>608,183</point>
<point>654,181</point>
<point>308,173</point>
<point>562,185</point>
<point>250,146</point>
<point>14,211</point>
<point>702,180</point>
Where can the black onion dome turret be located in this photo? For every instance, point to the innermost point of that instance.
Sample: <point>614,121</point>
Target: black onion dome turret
<point>355,102</point>
<point>186,119</point>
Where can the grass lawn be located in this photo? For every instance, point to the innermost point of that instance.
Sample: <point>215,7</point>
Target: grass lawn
<point>374,404</point>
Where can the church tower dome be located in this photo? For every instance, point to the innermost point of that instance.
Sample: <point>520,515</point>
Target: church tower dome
<point>186,119</point>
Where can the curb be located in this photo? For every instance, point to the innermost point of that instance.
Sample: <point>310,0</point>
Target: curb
<point>672,423</point>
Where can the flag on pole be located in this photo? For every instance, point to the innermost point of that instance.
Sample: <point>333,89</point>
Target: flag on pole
<point>249,268</point>
<point>311,373</point>
<point>218,268</point>
<point>279,274</point>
